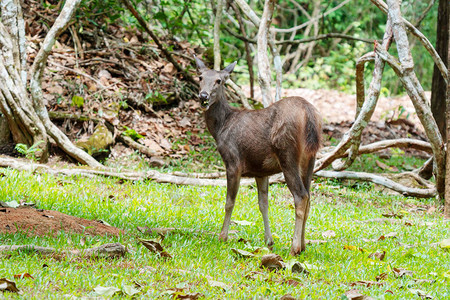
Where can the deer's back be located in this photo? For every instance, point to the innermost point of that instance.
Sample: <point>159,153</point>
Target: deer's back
<point>253,140</point>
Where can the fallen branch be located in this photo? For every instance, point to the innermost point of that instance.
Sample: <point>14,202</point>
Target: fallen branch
<point>184,180</point>
<point>104,251</point>
<point>404,190</point>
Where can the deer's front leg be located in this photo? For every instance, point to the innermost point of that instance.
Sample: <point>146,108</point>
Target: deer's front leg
<point>233,179</point>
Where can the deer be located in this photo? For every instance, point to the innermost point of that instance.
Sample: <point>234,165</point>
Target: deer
<point>283,137</point>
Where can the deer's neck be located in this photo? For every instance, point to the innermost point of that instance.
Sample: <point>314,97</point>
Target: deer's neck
<point>217,113</point>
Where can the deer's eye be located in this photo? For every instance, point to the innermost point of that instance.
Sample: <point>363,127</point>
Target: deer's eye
<point>200,78</point>
<point>218,81</point>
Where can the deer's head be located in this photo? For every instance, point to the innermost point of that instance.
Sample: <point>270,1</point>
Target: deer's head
<point>211,81</point>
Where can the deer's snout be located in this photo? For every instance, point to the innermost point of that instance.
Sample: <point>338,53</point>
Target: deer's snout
<point>204,95</point>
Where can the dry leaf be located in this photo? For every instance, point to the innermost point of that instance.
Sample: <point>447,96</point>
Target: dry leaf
<point>315,241</point>
<point>378,254</point>
<point>155,247</point>
<point>389,235</point>
<point>356,295</point>
<point>393,215</point>
<point>382,276</point>
<point>400,272</point>
<point>8,285</point>
<point>328,234</point>
<point>219,284</point>
<point>287,297</point>
<point>366,283</point>
<point>242,253</point>
<point>23,275</point>
<point>272,262</point>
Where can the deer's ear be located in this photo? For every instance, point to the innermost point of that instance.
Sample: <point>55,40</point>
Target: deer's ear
<point>200,65</point>
<point>230,68</point>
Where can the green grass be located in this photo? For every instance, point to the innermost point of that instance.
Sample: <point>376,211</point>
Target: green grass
<point>347,210</point>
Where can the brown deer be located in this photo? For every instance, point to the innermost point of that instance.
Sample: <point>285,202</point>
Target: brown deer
<point>283,137</point>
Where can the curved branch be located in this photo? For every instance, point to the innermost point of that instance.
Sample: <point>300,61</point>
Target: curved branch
<point>423,39</point>
<point>404,190</point>
<point>279,30</point>
<point>325,36</point>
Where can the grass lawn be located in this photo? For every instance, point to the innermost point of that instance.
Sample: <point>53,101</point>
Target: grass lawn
<point>199,260</point>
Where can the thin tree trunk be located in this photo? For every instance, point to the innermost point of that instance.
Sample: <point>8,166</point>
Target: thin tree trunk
<point>264,73</point>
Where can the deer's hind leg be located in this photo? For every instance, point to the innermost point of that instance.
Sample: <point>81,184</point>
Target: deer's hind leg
<point>263,191</point>
<point>291,169</point>
<point>307,168</point>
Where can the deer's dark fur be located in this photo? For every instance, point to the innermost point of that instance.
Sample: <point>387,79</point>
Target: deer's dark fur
<point>283,137</point>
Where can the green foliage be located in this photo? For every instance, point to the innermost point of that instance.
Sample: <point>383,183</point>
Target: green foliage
<point>77,101</point>
<point>29,152</point>
<point>132,133</point>
<point>155,97</point>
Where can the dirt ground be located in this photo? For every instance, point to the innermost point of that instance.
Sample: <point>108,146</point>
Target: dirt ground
<point>43,222</point>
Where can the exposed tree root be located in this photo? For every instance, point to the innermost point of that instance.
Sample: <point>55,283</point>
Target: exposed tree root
<point>104,251</point>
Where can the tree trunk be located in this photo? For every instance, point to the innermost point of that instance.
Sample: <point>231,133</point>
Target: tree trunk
<point>438,86</point>
<point>23,105</point>
<point>447,178</point>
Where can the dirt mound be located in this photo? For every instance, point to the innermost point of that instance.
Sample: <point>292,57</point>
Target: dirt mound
<point>42,222</point>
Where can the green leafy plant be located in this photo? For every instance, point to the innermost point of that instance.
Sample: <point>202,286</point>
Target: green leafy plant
<point>29,152</point>
<point>132,133</point>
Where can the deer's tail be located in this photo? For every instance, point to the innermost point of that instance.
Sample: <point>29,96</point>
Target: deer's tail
<point>313,130</point>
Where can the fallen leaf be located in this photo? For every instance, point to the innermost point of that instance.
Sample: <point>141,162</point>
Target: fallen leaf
<point>382,276</point>
<point>421,294</point>
<point>106,291</point>
<point>296,267</point>
<point>393,215</point>
<point>177,294</point>
<point>272,262</point>
<point>315,241</point>
<point>254,275</point>
<point>419,281</point>
<point>354,248</point>
<point>366,283</point>
<point>400,272</point>
<point>242,253</point>
<point>445,244</point>
<point>328,234</point>
<point>23,275</point>
<point>356,295</point>
<point>218,284</point>
<point>155,247</point>
<point>130,290</point>
<point>389,235</point>
<point>8,285</point>
<point>243,223</point>
<point>292,282</point>
<point>378,254</point>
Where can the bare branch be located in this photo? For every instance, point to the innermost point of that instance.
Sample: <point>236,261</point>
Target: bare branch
<point>326,36</point>
<point>279,30</point>
<point>425,42</point>
<point>404,190</point>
